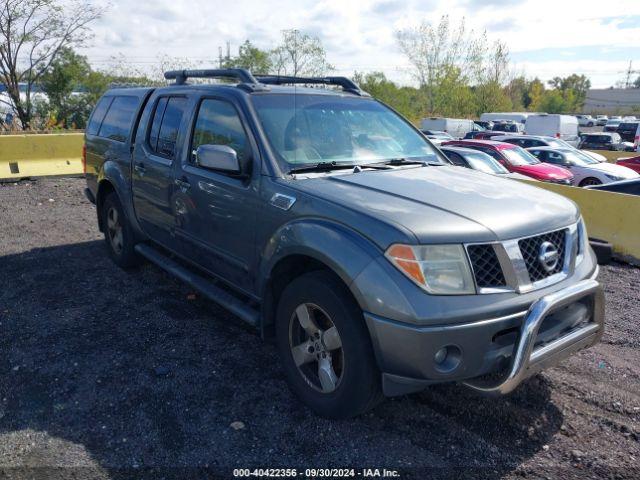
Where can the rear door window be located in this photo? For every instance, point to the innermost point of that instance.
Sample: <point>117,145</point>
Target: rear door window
<point>165,126</point>
<point>98,115</point>
<point>117,122</point>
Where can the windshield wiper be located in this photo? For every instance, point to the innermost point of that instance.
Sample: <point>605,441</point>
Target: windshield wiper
<point>321,166</point>
<point>404,161</point>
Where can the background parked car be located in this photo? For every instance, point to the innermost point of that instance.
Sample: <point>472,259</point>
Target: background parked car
<point>630,187</point>
<point>504,116</point>
<point>558,126</point>
<point>436,136</point>
<point>601,120</point>
<point>633,163</point>
<point>528,141</point>
<point>516,159</point>
<point>508,126</point>
<point>486,125</point>
<point>476,160</point>
<point>602,141</point>
<point>456,127</point>
<point>612,125</point>
<point>487,134</point>
<point>586,120</point>
<point>630,132</point>
<point>585,170</point>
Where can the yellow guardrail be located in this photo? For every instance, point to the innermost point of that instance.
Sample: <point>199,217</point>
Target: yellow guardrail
<point>609,216</point>
<point>23,156</point>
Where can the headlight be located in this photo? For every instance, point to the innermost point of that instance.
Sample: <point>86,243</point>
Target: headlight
<point>438,269</point>
<point>613,177</point>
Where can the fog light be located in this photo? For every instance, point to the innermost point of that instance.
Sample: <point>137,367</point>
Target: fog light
<point>448,358</point>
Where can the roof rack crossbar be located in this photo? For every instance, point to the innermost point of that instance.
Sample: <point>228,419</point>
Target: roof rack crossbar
<point>241,74</point>
<point>346,84</point>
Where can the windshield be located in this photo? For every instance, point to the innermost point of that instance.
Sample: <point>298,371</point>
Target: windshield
<point>518,157</point>
<point>484,163</point>
<point>309,129</point>
<point>578,158</point>
<point>557,142</point>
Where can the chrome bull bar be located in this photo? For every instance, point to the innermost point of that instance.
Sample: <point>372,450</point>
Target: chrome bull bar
<point>526,361</point>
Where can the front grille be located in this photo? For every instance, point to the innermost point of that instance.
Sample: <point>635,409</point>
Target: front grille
<point>530,249</point>
<point>486,268</point>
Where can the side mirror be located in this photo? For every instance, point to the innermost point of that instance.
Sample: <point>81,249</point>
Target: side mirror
<point>218,157</point>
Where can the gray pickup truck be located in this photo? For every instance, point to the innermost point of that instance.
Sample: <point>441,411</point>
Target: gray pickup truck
<point>325,219</point>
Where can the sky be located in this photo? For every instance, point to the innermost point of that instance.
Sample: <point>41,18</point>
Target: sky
<point>546,38</point>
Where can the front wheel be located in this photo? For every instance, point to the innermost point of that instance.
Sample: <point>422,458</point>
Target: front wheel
<point>325,347</point>
<point>590,181</point>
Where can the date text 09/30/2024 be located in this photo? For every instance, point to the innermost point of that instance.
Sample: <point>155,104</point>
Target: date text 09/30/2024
<point>316,473</point>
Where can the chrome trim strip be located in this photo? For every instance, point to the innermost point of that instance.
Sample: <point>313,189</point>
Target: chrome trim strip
<point>524,356</point>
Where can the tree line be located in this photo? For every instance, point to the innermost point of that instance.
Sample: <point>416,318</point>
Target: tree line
<point>457,72</point>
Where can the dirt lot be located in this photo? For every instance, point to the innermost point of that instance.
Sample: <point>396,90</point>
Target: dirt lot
<point>113,374</point>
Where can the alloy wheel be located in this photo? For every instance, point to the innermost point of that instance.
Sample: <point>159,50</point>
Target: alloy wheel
<point>316,347</point>
<point>114,228</point>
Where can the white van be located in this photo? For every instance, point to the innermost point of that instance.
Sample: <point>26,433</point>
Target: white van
<point>456,127</point>
<point>553,125</point>
<point>513,116</point>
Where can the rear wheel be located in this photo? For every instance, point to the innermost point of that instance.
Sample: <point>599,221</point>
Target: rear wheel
<point>325,347</point>
<point>590,181</point>
<point>118,234</point>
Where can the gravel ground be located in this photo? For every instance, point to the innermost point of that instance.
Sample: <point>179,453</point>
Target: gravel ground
<point>113,374</point>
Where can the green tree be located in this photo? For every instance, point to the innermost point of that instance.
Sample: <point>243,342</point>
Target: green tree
<point>535,95</point>
<point>406,100</point>
<point>444,61</point>
<point>574,90</point>
<point>492,97</point>
<point>68,74</point>
<point>251,58</point>
<point>553,102</point>
<point>300,54</point>
<point>33,33</point>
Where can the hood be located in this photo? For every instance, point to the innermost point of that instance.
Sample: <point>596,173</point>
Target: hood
<point>544,171</point>
<point>613,169</point>
<point>447,204</point>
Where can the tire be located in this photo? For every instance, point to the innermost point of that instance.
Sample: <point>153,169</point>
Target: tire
<point>603,250</point>
<point>590,181</point>
<point>322,302</point>
<point>118,235</point>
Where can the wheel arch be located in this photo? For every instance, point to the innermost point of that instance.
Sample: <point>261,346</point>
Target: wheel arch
<point>114,177</point>
<point>304,246</point>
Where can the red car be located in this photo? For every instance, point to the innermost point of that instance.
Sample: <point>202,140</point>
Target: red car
<point>516,159</point>
<point>633,163</point>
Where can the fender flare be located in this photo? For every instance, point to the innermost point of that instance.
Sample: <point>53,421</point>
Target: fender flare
<point>340,248</point>
<point>112,173</point>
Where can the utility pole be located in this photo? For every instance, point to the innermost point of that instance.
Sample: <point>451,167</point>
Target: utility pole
<point>630,71</point>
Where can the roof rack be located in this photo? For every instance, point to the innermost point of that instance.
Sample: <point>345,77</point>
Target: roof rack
<point>241,74</point>
<point>248,81</point>
<point>346,84</point>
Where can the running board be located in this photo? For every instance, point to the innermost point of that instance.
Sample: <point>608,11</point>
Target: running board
<point>204,286</point>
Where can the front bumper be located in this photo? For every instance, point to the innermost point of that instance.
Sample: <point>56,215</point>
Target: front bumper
<point>513,347</point>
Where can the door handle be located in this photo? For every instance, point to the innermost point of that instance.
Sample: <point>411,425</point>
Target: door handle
<point>183,184</point>
<point>139,167</point>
